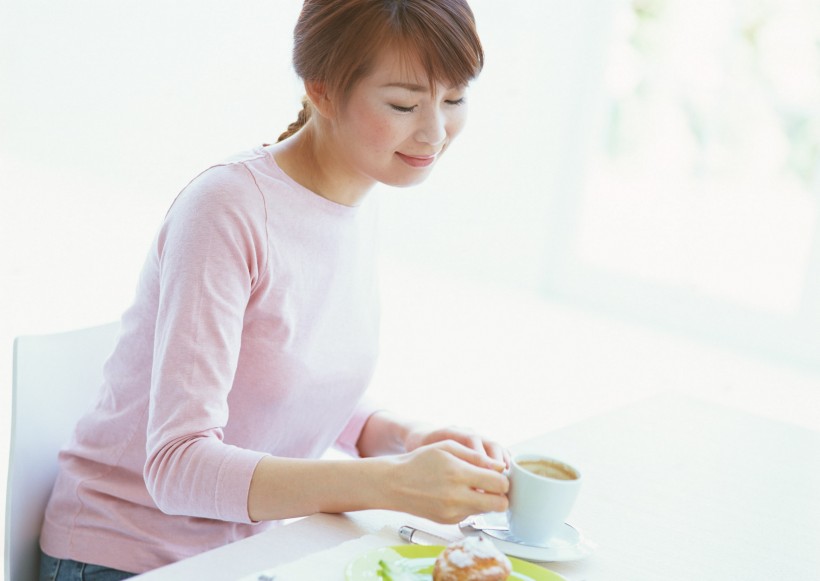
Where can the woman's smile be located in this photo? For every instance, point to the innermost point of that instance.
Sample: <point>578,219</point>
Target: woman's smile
<point>417,160</point>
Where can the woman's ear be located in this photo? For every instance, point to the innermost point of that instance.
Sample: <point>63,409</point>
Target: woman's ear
<point>320,99</point>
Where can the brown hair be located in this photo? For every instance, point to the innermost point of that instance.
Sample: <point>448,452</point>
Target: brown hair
<point>334,42</point>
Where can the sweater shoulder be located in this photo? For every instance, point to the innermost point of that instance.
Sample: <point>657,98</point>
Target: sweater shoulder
<point>227,188</point>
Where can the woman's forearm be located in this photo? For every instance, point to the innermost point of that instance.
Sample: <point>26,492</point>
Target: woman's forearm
<point>443,474</point>
<point>444,481</point>
<point>286,488</point>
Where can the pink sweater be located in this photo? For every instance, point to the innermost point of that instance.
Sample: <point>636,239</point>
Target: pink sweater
<point>254,331</point>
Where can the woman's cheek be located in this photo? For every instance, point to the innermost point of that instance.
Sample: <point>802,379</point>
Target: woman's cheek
<point>457,123</point>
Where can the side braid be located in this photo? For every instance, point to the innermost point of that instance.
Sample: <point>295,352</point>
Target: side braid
<point>303,117</point>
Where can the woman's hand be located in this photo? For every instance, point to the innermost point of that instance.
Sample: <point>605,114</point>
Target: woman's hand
<point>386,433</point>
<point>444,474</point>
<point>420,435</point>
<point>447,481</point>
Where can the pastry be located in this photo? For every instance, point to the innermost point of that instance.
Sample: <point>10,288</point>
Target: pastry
<point>472,559</point>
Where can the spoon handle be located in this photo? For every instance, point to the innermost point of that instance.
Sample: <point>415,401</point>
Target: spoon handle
<point>473,524</point>
<point>420,537</point>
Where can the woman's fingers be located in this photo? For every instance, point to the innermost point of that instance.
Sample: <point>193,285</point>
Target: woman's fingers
<point>477,456</point>
<point>448,481</point>
<point>478,471</point>
<point>486,502</point>
<point>498,452</point>
<point>467,438</point>
<point>482,484</point>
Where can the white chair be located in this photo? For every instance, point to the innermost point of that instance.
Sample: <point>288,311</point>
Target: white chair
<point>55,378</point>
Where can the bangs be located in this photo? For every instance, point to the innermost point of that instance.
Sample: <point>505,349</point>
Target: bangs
<point>437,36</point>
<point>431,36</point>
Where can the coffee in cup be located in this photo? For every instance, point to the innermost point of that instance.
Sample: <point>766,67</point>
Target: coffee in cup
<point>549,469</point>
<point>542,493</point>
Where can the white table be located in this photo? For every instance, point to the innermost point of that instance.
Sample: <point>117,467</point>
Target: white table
<point>674,489</point>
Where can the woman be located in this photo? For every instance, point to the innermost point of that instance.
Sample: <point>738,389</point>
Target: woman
<point>253,334</point>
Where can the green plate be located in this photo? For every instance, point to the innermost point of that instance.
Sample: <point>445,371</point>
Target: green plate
<point>415,563</point>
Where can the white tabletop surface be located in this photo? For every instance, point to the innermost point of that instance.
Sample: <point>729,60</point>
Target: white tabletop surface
<point>674,488</point>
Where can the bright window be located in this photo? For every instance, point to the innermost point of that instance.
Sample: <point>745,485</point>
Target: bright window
<point>699,204</point>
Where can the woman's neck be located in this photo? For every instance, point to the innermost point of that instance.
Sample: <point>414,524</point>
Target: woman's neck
<point>312,163</point>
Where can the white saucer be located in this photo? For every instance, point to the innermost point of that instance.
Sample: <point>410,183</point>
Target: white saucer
<point>569,545</point>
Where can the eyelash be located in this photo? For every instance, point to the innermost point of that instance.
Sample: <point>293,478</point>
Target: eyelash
<point>400,109</point>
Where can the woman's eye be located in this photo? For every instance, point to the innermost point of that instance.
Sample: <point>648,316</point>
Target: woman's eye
<point>459,101</point>
<point>401,109</point>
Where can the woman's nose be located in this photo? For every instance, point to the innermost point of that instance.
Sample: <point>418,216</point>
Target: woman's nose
<point>433,129</point>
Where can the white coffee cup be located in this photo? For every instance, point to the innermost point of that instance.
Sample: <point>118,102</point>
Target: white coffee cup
<point>542,493</point>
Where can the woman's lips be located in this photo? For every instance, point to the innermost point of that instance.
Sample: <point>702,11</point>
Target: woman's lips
<point>417,160</point>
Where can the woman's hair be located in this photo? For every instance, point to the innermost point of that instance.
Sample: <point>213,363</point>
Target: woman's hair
<point>337,41</point>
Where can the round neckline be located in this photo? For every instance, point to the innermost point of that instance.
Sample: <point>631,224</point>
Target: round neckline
<point>314,197</point>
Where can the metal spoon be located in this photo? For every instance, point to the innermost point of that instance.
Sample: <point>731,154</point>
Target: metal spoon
<point>473,523</point>
<point>420,537</point>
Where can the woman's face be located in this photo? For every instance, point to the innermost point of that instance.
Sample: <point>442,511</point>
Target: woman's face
<point>393,129</point>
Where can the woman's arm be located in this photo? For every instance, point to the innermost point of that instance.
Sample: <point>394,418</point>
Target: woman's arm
<point>207,255</point>
<point>444,482</point>
<point>441,474</point>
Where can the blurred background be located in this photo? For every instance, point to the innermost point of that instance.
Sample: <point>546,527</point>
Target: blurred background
<point>633,206</point>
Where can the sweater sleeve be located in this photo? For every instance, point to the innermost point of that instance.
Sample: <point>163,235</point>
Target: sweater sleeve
<point>210,251</point>
<point>347,440</point>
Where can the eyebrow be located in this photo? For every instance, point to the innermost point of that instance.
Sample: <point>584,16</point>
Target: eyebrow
<point>407,86</point>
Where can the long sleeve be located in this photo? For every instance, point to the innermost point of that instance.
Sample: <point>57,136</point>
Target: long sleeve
<point>210,252</point>
<point>347,440</point>
<point>253,331</point>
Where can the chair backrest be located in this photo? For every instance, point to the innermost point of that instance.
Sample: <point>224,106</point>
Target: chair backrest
<point>56,377</point>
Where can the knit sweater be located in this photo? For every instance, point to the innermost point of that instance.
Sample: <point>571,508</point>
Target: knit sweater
<point>254,331</point>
